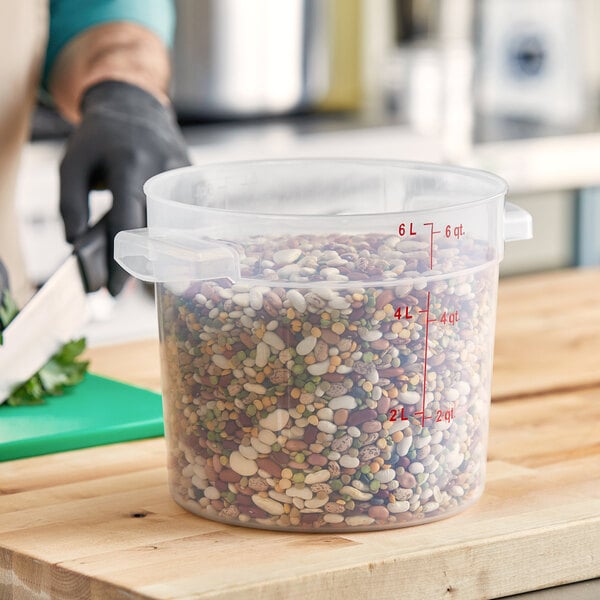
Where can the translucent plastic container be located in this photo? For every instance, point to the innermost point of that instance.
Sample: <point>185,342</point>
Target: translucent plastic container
<point>327,330</point>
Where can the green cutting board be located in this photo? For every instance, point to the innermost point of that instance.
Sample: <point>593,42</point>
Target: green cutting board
<point>95,412</point>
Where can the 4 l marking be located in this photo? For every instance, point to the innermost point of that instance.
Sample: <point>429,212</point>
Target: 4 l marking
<point>398,314</point>
<point>446,318</point>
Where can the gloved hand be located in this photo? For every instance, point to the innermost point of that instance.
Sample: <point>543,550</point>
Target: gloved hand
<point>125,137</point>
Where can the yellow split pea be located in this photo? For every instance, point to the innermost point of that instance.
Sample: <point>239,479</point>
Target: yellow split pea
<point>338,328</point>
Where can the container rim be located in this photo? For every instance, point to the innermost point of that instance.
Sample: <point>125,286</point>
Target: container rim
<point>474,174</point>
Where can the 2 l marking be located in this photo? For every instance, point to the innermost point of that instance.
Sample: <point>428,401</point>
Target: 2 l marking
<point>395,413</point>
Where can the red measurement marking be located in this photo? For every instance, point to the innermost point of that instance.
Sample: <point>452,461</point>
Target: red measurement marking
<point>450,318</point>
<point>398,314</point>
<point>431,234</point>
<point>444,415</point>
<point>422,412</point>
<point>418,414</point>
<point>394,414</point>
<point>402,229</point>
<point>456,232</point>
<point>428,319</point>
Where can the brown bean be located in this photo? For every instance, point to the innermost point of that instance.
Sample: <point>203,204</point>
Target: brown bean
<point>310,434</point>
<point>296,465</point>
<point>247,340</point>
<point>217,466</point>
<point>230,428</point>
<point>384,298</point>
<point>391,372</point>
<point>270,466</point>
<point>211,474</point>
<point>310,518</point>
<point>340,417</point>
<point>253,511</point>
<point>317,459</point>
<point>407,480</point>
<point>361,416</point>
<point>379,513</point>
<point>244,420</point>
<point>380,344</point>
<point>281,458</point>
<point>296,445</point>
<point>332,338</point>
<point>333,377</point>
<point>383,405</point>
<point>321,351</point>
<point>230,476</point>
<point>371,426</point>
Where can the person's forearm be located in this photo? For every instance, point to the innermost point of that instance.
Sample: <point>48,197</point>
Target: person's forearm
<point>114,51</point>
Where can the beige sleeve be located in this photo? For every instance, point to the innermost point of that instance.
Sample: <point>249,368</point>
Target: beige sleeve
<point>23,31</point>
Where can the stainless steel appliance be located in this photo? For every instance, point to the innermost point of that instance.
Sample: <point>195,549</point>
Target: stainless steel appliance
<point>235,58</point>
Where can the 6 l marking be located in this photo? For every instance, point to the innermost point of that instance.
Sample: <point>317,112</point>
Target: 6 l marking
<point>402,229</point>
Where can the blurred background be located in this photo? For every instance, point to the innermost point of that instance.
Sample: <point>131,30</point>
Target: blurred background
<point>510,86</point>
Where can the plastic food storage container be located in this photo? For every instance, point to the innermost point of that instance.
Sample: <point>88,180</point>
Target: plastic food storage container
<point>327,330</point>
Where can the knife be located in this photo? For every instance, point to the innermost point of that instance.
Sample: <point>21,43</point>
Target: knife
<point>55,314</point>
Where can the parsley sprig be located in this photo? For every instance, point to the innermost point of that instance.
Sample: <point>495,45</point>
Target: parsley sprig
<point>8,311</point>
<point>62,370</point>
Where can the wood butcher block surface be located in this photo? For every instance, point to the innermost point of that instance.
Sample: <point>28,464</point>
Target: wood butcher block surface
<point>99,523</point>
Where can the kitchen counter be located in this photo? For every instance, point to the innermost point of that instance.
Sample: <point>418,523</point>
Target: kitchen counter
<point>99,523</point>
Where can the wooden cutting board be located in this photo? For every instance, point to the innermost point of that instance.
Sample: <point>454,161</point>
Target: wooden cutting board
<point>547,333</point>
<point>99,523</point>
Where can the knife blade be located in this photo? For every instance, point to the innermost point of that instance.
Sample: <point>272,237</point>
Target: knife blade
<point>56,313</point>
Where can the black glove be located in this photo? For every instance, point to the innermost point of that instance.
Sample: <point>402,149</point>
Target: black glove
<point>125,137</point>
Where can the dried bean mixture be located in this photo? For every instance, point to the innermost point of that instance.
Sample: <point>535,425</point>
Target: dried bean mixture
<point>292,404</point>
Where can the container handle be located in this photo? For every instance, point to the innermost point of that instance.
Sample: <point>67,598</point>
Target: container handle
<point>172,256</point>
<point>517,223</point>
